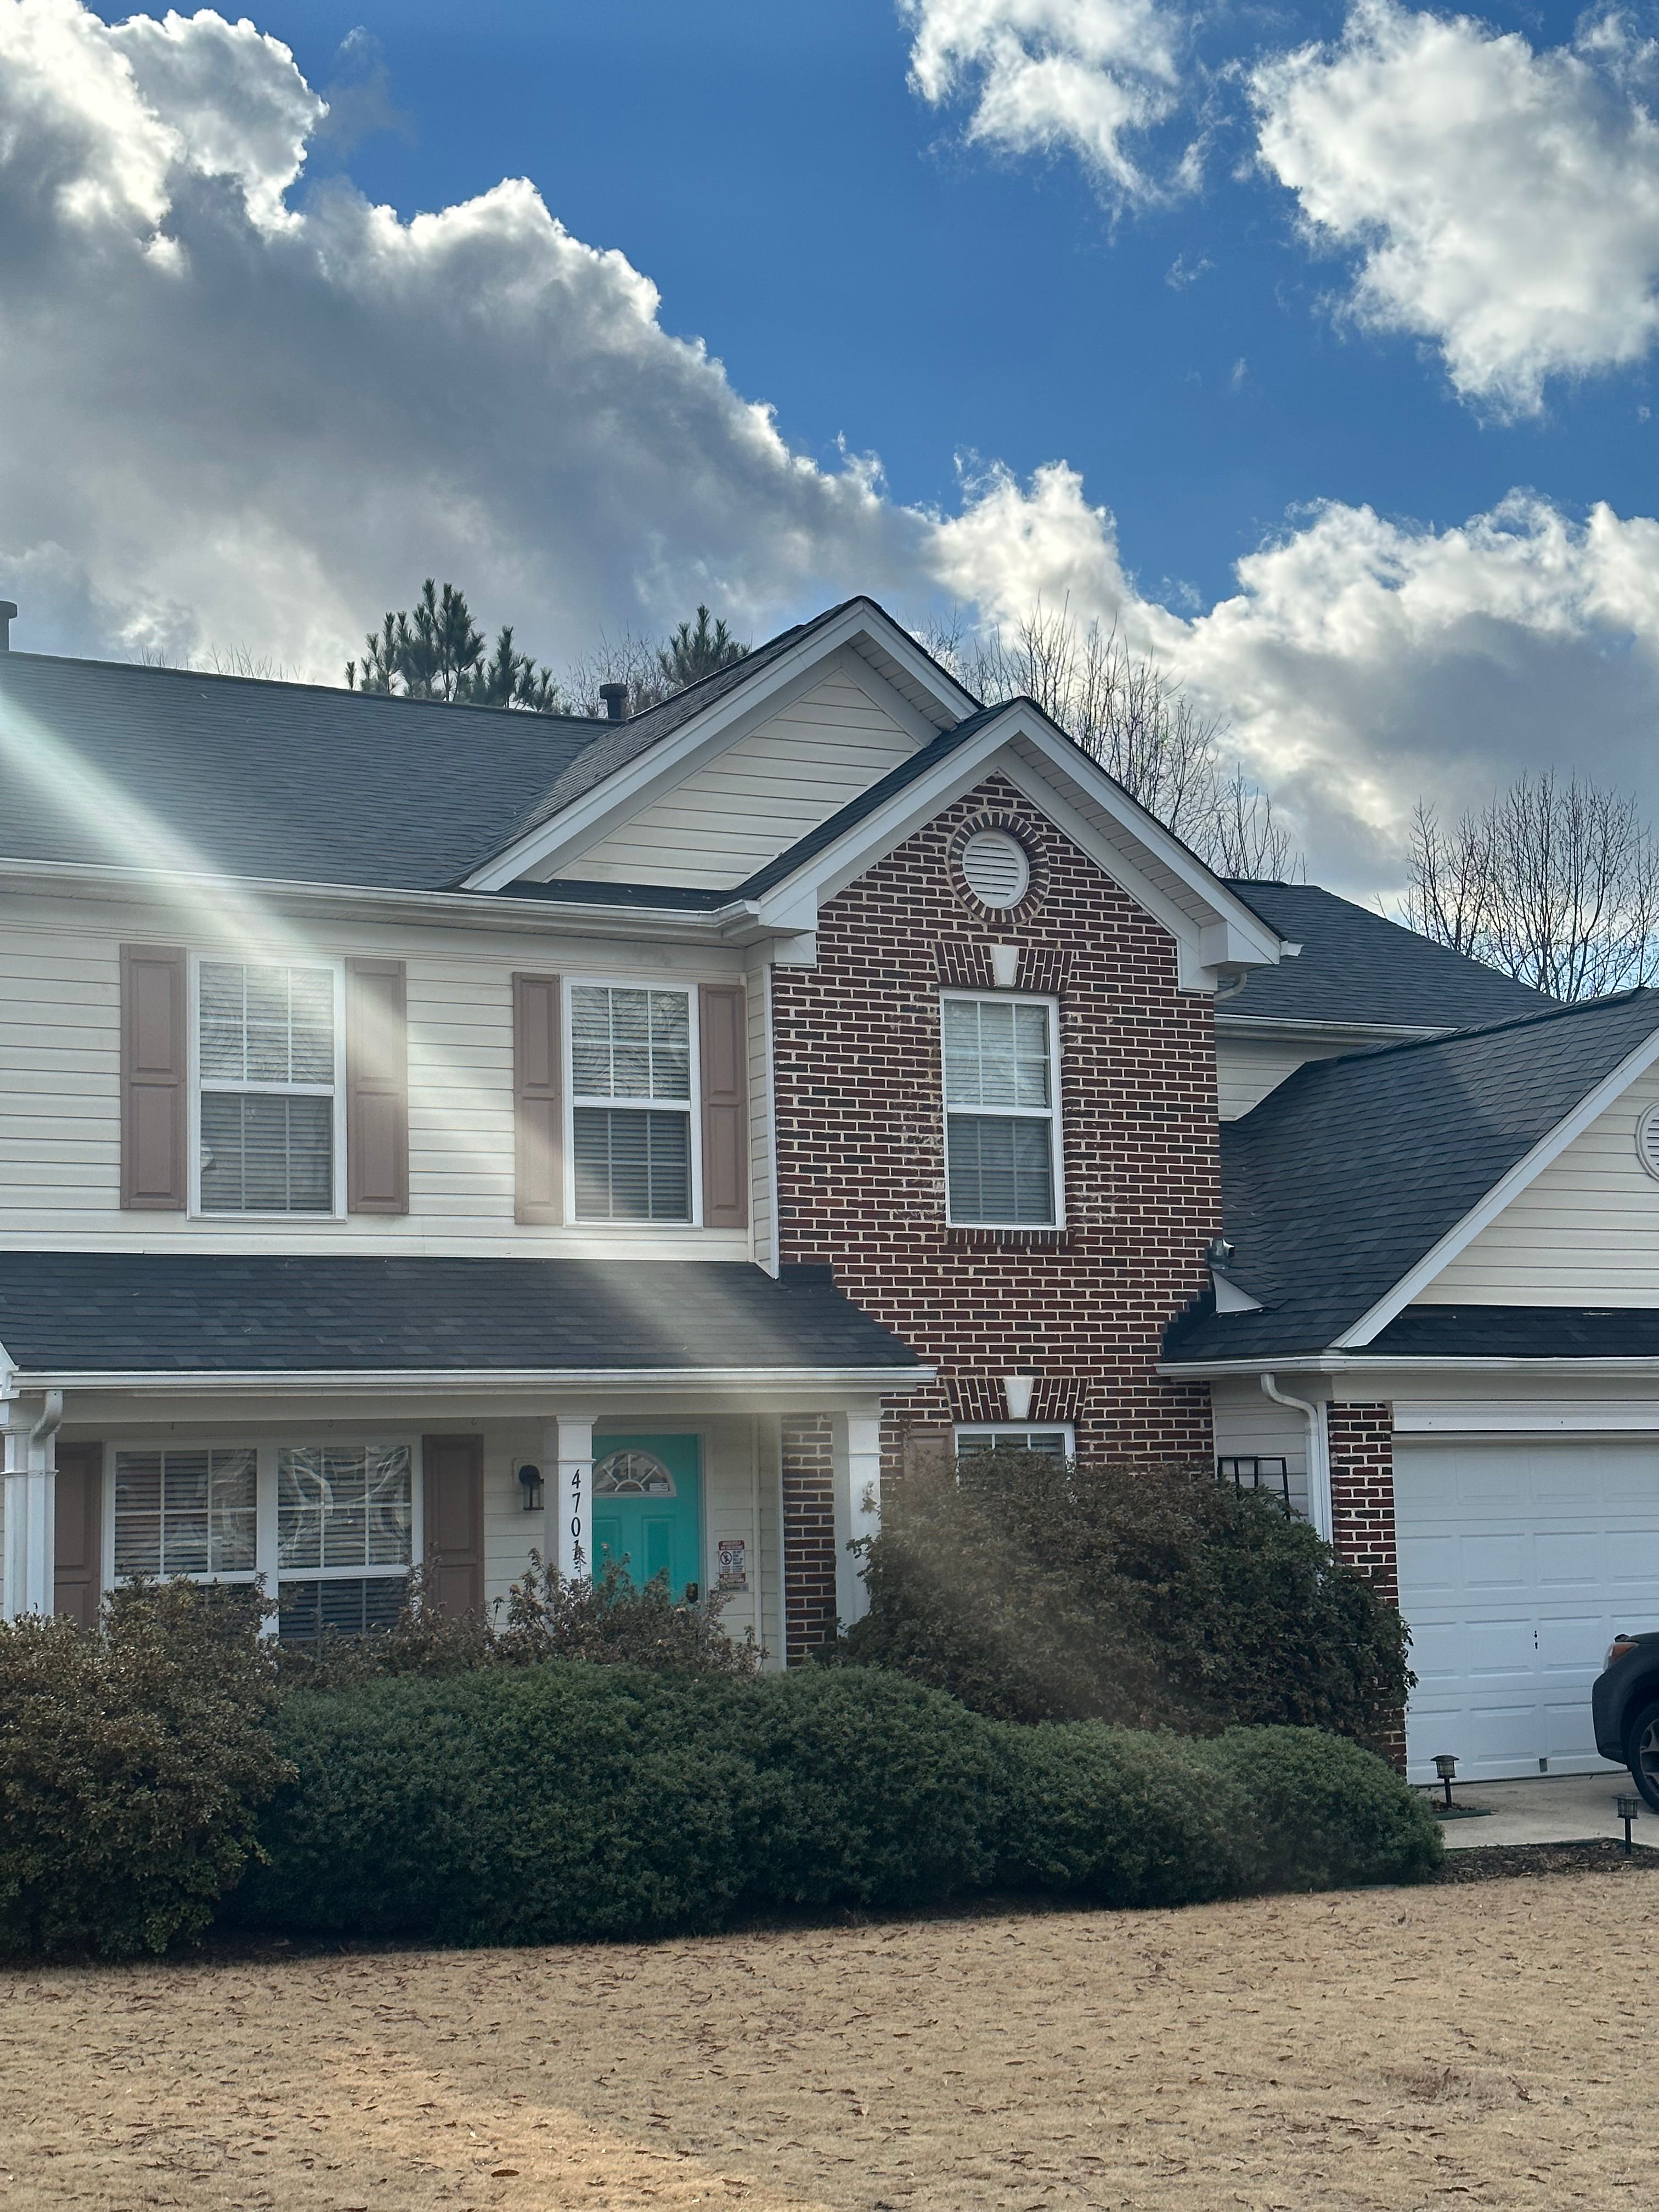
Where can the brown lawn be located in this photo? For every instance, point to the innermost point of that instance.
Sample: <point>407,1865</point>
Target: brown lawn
<point>1489,2045</point>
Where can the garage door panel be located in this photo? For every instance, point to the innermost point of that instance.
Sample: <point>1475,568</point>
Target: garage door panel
<point>1517,1563</point>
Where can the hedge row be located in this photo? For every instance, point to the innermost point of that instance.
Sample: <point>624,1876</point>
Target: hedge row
<point>569,1801</point>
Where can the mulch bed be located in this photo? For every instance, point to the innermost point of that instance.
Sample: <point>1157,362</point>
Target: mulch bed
<point>1497,1862</point>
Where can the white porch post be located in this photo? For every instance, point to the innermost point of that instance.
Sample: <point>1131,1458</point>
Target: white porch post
<point>31,1507</point>
<point>855,1443</point>
<point>569,1458</point>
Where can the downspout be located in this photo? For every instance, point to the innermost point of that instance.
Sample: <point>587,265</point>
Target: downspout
<point>52,1415</point>
<point>1319,1465</point>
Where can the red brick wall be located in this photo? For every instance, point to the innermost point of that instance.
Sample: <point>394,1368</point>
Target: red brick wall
<point>1361,1444</point>
<point>860,1138</point>
<point>808,1536</point>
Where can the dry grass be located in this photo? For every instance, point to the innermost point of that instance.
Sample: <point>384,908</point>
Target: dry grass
<point>1402,2048</point>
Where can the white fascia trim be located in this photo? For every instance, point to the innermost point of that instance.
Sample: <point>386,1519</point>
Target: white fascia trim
<point>453,909</point>
<point>1462,1233</point>
<point>622,791</point>
<point>446,1381</point>
<point>792,905</point>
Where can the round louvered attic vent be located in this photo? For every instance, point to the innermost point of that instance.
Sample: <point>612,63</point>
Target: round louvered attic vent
<point>995,869</point>
<point>1647,1141</point>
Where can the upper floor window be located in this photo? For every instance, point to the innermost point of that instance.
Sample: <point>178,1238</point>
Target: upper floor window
<point>630,1089</point>
<point>267,1069</point>
<point>1001,1126</point>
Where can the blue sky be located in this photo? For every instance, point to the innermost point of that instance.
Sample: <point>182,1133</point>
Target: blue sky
<point>1311,350</point>
<point>831,237</point>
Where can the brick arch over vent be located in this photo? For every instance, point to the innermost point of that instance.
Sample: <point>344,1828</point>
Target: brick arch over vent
<point>861,1150</point>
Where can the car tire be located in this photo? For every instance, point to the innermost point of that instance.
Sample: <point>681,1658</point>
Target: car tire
<point>1642,1752</point>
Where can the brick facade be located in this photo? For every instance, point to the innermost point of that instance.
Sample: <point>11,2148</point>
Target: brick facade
<point>809,1535</point>
<point>860,1145</point>
<point>1361,1444</point>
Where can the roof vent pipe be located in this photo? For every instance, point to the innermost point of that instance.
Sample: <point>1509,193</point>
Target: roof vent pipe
<point>8,617</point>
<point>615,696</point>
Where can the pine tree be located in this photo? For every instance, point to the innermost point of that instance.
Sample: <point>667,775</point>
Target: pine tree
<point>692,653</point>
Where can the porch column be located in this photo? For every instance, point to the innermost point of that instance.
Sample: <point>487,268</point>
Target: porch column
<point>855,1447</point>
<point>568,1456</point>
<point>31,1507</point>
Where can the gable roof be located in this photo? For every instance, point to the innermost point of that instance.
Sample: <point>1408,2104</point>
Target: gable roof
<point>293,782</point>
<point>1354,1168</point>
<point>120,1312</point>
<point>1357,968</point>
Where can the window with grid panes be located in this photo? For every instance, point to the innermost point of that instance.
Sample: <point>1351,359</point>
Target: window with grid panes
<point>630,1087</point>
<point>346,1525</point>
<point>185,1513</point>
<point>265,1067</point>
<point>999,1103</point>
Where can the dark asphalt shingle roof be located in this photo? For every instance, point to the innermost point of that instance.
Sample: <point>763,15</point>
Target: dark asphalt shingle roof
<point>287,780</point>
<point>1342,1179</point>
<point>1520,1332</point>
<point>110,1312</point>
<point>1355,966</point>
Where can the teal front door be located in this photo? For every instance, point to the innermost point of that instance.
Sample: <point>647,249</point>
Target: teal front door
<point>647,1509</point>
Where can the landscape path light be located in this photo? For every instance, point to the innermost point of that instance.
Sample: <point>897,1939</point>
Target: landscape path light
<point>1629,1806</point>
<point>1445,1765</point>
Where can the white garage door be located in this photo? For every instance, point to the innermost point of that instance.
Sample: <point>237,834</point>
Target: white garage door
<point>1518,1561</point>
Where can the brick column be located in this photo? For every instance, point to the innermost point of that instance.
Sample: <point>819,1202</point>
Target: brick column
<point>1361,1444</point>
<point>809,1534</point>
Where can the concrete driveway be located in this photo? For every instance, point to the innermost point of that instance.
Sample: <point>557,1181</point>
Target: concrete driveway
<point>1545,1809</point>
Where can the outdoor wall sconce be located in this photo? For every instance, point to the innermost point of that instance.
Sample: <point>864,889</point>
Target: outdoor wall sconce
<point>1445,1765</point>
<point>1629,1808</point>
<point>530,1481</point>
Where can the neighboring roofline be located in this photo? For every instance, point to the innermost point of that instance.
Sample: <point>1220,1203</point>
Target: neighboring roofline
<point>283,1382</point>
<point>815,641</point>
<point>1509,1186</point>
<point>298,684</point>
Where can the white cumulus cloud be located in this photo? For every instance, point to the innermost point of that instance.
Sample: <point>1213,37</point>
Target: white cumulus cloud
<point>1080,76</point>
<point>1505,201</point>
<point>238,416</point>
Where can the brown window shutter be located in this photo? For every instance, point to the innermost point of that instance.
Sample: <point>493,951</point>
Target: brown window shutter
<point>377,1087</point>
<point>78,1581</point>
<point>724,1032</point>
<point>452,1509</point>
<point>155,1079</point>
<point>538,1102</point>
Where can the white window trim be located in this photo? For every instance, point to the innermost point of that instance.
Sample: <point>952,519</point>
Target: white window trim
<point>1018,1429</point>
<point>338,1211</point>
<point>265,1495</point>
<point>692,1104</point>
<point>1051,1112</point>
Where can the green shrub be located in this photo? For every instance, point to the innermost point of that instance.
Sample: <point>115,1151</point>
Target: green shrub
<point>566,1801</point>
<point>1151,1596</point>
<point>546,1616</point>
<point>133,1760</point>
<point>1327,1815</point>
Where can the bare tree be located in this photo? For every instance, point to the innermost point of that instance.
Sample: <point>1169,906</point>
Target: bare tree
<point>1556,884</point>
<point>1137,722</point>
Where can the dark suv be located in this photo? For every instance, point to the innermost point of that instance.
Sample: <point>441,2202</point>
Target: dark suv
<point>1625,1703</point>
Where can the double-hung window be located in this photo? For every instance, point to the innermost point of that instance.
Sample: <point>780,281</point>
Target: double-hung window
<point>1001,1112</point>
<point>631,1104</point>
<point>268,1077</point>
<point>186,1512</point>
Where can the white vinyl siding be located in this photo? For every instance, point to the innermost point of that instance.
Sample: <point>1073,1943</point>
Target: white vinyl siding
<point>765,791</point>
<point>1585,1231</point>
<point>1248,1068</point>
<point>60,1092</point>
<point>1250,1425</point>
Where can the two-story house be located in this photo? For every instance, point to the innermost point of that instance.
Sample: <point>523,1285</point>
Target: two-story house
<point>428,1133</point>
